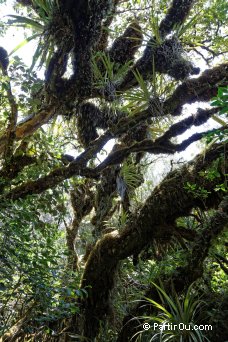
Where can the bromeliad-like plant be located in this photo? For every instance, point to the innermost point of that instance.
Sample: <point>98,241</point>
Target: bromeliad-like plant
<point>38,25</point>
<point>177,317</point>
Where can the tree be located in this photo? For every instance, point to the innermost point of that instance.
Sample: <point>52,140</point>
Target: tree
<point>107,78</point>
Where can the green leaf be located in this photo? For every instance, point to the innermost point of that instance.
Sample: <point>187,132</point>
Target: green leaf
<point>26,22</point>
<point>24,42</point>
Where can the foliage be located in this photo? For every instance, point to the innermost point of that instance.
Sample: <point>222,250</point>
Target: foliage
<point>38,25</point>
<point>86,226</point>
<point>114,72</point>
<point>177,317</point>
<point>130,175</point>
<point>221,100</point>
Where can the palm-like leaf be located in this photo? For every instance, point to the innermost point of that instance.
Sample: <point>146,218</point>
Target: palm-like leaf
<point>176,311</point>
<point>26,22</point>
<point>113,71</point>
<point>44,10</point>
<point>130,175</point>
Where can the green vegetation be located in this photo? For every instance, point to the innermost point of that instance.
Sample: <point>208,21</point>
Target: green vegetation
<point>105,224</point>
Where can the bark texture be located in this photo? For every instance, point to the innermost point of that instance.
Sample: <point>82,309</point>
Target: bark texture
<point>167,202</point>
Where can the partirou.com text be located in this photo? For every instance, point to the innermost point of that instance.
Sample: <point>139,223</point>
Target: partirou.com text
<point>180,326</point>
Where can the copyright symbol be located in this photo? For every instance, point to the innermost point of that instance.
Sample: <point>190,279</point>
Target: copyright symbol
<point>146,326</point>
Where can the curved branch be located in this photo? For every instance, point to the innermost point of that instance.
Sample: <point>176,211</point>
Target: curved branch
<point>167,202</point>
<point>197,89</point>
<point>78,166</point>
<point>159,146</point>
<point>82,202</point>
<point>176,15</point>
<point>202,88</point>
<point>30,125</point>
<point>17,164</point>
<point>165,58</point>
<point>182,277</point>
<point>182,126</point>
<point>103,40</point>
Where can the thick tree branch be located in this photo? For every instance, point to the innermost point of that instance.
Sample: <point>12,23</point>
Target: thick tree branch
<point>86,18</point>
<point>17,164</point>
<point>176,15</point>
<point>51,180</point>
<point>199,89</point>
<point>202,88</point>
<point>124,47</point>
<point>78,166</point>
<point>103,40</point>
<point>159,146</point>
<point>182,277</point>
<point>167,202</point>
<point>55,177</point>
<point>163,57</point>
<point>29,126</point>
<point>82,201</point>
<point>182,126</point>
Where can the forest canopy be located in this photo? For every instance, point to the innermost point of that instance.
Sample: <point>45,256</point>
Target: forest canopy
<point>113,174</point>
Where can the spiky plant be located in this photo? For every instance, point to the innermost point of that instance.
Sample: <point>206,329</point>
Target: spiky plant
<point>177,318</point>
<point>43,22</point>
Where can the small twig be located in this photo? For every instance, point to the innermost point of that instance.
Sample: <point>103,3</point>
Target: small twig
<point>134,9</point>
<point>201,55</point>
